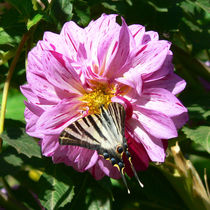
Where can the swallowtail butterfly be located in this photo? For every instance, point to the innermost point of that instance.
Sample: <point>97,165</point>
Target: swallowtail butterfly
<point>104,133</point>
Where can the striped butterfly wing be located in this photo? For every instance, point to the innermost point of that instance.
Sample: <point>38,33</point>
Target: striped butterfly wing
<point>102,132</point>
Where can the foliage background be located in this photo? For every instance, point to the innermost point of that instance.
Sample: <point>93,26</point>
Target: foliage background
<point>33,182</point>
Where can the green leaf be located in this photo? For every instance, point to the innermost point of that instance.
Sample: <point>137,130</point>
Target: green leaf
<point>200,135</point>
<point>10,162</point>
<point>61,12</point>
<point>56,189</point>
<point>15,105</point>
<point>6,38</point>
<point>204,4</point>
<point>24,7</point>
<point>98,200</point>
<point>98,196</point>
<point>16,137</point>
<point>34,21</point>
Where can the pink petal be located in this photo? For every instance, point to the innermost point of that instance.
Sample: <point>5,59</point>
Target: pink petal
<point>73,36</point>
<point>150,36</point>
<point>79,158</point>
<point>35,60</point>
<point>161,100</point>
<point>83,158</point>
<point>39,84</point>
<point>60,74</point>
<point>171,82</point>
<point>101,25</point>
<point>155,123</point>
<point>140,158</point>
<point>31,120</point>
<point>108,169</point>
<point>96,172</point>
<point>54,42</point>
<point>60,116</point>
<point>150,57</point>
<point>153,146</point>
<point>49,144</point>
<point>133,79</point>
<point>118,53</point>
<point>100,31</point>
<point>137,32</point>
<point>180,120</point>
<point>34,109</point>
<point>164,70</point>
<point>28,93</point>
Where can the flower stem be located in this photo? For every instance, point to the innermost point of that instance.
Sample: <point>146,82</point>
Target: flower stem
<point>8,79</point>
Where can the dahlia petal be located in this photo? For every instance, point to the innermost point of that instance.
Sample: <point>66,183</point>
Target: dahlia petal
<point>101,25</point>
<point>118,53</point>
<point>171,82</point>
<point>164,70</point>
<point>49,144</point>
<point>39,84</point>
<point>60,76</point>
<point>31,120</point>
<point>35,60</point>
<point>180,120</point>
<point>82,158</point>
<point>108,169</point>
<point>156,123</point>
<point>161,100</point>
<point>73,36</point>
<point>59,116</point>
<point>153,146</point>
<point>140,158</point>
<point>133,79</point>
<point>137,32</point>
<point>100,35</point>
<point>150,57</point>
<point>28,93</point>
<point>150,36</point>
<point>60,155</point>
<point>42,88</point>
<point>54,42</point>
<point>96,172</point>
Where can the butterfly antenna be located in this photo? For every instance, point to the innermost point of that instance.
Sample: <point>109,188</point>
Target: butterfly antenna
<point>135,173</point>
<point>124,180</point>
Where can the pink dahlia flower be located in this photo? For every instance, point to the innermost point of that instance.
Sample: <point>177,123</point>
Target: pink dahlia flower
<point>71,74</point>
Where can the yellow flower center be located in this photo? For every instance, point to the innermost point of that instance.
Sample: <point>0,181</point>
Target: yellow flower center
<point>101,95</point>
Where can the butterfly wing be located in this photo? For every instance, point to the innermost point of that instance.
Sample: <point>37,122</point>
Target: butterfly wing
<point>117,112</point>
<point>84,133</point>
<point>102,132</point>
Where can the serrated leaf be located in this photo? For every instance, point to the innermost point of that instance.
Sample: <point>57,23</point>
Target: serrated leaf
<point>16,137</point>
<point>200,135</point>
<point>34,20</point>
<point>57,189</point>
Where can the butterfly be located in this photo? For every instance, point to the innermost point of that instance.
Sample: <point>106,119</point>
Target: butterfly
<point>103,132</point>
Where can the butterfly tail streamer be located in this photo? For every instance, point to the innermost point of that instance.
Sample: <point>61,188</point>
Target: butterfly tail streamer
<point>135,173</point>
<point>124,180</point>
